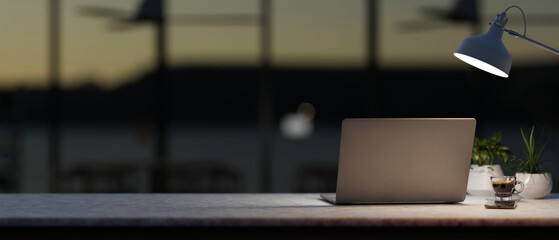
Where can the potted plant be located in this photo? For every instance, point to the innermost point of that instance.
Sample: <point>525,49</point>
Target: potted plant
<point>537,182</point>
<point>482,169</point>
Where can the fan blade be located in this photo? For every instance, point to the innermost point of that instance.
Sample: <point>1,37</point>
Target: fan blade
<point>103,12</point>
<point>535,19</point>
<point>434,13</point>
<point>216,19</point>
<point>419,26</point>
<point>123,26</point>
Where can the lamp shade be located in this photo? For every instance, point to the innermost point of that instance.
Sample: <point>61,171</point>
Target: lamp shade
<point>486,52</point>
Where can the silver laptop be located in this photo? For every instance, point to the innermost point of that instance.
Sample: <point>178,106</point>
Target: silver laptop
<point>403,160</point>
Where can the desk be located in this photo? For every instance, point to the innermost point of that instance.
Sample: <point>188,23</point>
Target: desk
<point>262,211</point>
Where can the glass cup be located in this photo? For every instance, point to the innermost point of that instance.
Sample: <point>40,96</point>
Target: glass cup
<point>505,186</point>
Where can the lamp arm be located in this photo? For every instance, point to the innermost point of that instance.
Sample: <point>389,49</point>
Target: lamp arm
<point>501,20</point>
<point>532,41</point>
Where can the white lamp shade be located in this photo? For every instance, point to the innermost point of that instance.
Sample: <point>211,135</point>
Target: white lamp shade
<point>486,52</point>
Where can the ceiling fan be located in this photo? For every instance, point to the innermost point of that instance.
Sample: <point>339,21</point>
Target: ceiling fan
<point>464,12</point>
<point>151,10</point>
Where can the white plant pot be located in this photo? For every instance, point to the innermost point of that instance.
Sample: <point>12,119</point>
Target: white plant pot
<point>479,179</point>
<point>536,185</point>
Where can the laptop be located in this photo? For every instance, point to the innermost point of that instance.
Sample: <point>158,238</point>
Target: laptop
<point>403,160</point>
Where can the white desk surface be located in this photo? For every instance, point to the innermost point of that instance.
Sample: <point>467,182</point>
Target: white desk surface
<point>259,210</point>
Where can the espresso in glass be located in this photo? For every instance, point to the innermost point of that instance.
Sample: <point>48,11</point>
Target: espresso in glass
<point>505,186</point>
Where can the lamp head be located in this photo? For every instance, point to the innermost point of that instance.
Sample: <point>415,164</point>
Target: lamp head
<point>487,51</point>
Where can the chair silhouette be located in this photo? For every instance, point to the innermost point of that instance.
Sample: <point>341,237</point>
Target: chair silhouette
<point>100,178</point>
<point>202,176</point>
<point>316,178</point>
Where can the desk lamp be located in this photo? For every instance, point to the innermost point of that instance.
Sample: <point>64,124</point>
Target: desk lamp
<point>487,52</point>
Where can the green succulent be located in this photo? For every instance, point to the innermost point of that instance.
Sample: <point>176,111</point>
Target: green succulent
<point>485,150</point>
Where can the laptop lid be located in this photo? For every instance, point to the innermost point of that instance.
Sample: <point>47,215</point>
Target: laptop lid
<point>404,160</point>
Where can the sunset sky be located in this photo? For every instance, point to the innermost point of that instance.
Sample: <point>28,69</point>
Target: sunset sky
<point>323,33</point>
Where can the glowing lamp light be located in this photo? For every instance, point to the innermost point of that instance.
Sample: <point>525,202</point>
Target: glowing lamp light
<point>487,51</point>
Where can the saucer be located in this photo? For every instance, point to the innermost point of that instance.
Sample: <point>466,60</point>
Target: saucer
<point>513,198</point>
